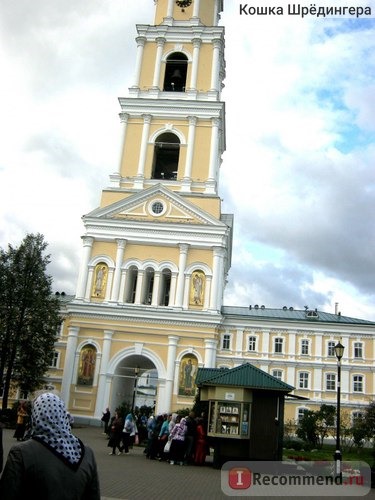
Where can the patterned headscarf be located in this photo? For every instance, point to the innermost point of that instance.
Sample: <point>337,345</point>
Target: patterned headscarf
<point>51,427</point>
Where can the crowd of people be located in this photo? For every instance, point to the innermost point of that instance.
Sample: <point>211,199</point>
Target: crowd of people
<point>169,437</point>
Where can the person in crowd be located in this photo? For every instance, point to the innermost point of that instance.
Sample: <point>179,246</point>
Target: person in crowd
<point>128,433</point>
<point>177,450</point>
<point>115,435</point>
<point>106,419</point>
<point>190,437</point>
<point>154,449</point>
<point>200,450</point>
<point>150,430</point>
<point>172,422</point>
<point>22,417</point>
<point>163,436</point>
<point>53,464</point>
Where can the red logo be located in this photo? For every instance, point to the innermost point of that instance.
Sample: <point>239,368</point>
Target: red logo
<point>239,478</point>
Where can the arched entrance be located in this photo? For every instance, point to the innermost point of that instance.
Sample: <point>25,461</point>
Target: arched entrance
<point>135,382</point>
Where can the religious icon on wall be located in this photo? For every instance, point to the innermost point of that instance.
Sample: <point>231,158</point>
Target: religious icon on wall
<point>87,362</point>
<point>188,371</point>
<point>100,280</point>
<point>197,288</point>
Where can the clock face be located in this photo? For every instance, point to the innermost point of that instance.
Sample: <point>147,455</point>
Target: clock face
<point>183,3</point>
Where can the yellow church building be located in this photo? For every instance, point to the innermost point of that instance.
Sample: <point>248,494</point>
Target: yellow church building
<point>148,309</point>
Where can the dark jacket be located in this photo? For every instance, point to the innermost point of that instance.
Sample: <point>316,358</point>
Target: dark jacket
<point>33,471</point>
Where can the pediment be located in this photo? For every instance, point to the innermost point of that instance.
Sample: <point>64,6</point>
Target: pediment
<point>157,204</point>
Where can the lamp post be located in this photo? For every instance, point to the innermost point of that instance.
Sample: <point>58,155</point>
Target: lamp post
<point>339,351</point>
<point>136,372</point>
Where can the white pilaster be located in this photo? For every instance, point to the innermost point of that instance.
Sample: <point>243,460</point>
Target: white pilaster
<point>190,153</point>
<point>215,65</point>
<point>117,276</point>
<point>71,347</point>
<point>265,343</point>
<point>156,289</point>
<point>102,398</point>
<point>160,41</point>
<point>144,142</point>
<point>141,40</point>
<point>210,346</point>
<point>124,117</point>
<point>171,358</point>
<point>197,42</point>
<point>196,7</point>
<point>216,272</point>
<point>83,270</point>
<point>181,274</point>
<point>139,289</point>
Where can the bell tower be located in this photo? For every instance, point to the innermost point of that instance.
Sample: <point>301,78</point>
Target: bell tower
<point>162,205</point>
<point>157,250</point>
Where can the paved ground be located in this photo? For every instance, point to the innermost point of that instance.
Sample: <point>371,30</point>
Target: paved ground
<point>132,477</point>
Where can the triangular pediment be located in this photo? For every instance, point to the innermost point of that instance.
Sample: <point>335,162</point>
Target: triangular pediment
<point>156,204</point>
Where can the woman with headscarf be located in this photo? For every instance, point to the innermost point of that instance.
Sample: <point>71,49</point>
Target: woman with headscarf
<point>52,465</point>
<point>177,449</point>
<point>128,433</point>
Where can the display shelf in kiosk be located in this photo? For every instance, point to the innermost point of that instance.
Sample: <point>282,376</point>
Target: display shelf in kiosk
<point>229,412</point>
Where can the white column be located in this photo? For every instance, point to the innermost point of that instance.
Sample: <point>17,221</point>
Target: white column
<point>172,293</point>
<point>185,303</point>
<point>210,347</point>
<point>144,142</point>
<point>171,358</point>
<point>317,347</point>
<point>217,43</point>
<point>190,148</point>
<point>109,284</point>
<point>156,289</point>
<point>141,40</point>
<point>123,285</point>
<point>117,276</point>
<point>317,380</point>
<point>90,277</point>
<point>71,347</point>
<point>102,398</point>
<point>196,8</point>
<point>197,42</point>
<point>214,150</point>
<point>138,291</point>
<point>83,270</point>
<point>170,8</point>
<point>181,274</point>
<point>216,280</point>
<point>124,117</point>
<point>159,53</point>
<point>207,292</point>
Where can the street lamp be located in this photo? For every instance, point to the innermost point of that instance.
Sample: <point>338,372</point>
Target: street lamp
<point>339,351</point>
<point>136,372</point>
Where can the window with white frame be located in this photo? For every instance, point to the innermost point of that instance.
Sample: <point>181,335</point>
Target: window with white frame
<point>358,349</point>
<point>54,362</point>
<point>303,380</point>
<point>357,383</point>
<point>304,346</point>
<point>278,345</point>
<point>331,348</point>
<point>252,343</point>
<point>330,381</point>
<point>357,415</point>
<point>277,374</point>
<point>301,413</point>
<point>226,341</point>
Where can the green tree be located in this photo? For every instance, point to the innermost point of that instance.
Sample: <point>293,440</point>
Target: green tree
<point>29,315</point>
<point>314,426</point>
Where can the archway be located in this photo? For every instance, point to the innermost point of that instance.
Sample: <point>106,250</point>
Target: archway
<point>135,382</point>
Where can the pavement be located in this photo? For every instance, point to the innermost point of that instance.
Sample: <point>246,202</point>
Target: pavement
<point>133,476</point>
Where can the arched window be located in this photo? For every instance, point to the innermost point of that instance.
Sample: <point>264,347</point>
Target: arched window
<point>175,73</point>
<point>166,155</point>
<point>148,285</point>
<point>131,284</point>
<point>165,287</point>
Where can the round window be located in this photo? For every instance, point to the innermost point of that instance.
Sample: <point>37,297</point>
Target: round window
<point>157,207</point>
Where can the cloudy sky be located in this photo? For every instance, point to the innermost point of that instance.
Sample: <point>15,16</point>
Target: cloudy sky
<point>298,172</point>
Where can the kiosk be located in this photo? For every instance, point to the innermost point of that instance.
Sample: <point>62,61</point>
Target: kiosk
<point>245,412</point>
